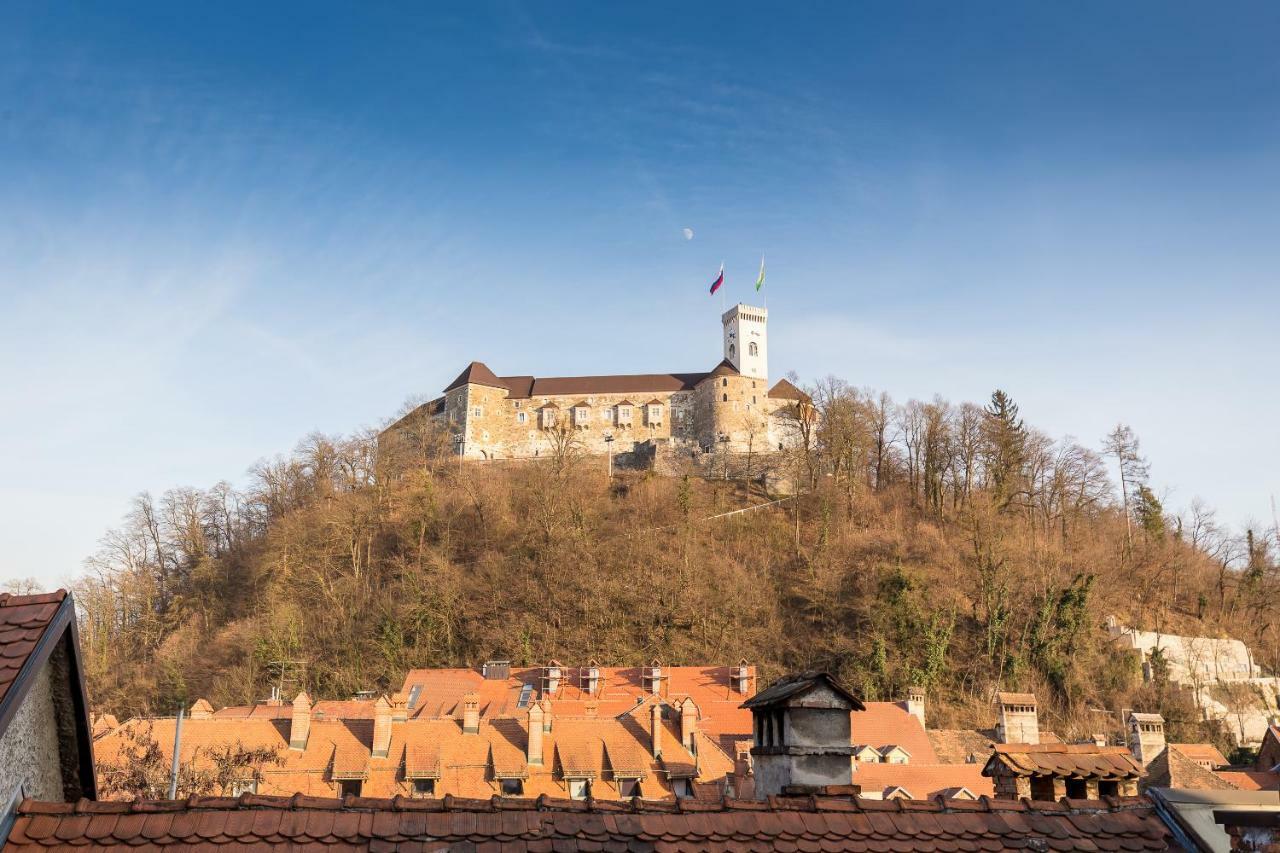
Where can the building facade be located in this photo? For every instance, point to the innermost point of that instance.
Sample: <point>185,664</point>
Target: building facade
<point>731,408</point>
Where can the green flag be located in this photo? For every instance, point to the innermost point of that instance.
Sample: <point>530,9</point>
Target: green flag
<point>760,279</point>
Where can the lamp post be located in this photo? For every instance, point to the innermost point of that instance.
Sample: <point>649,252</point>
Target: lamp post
<point>724,450</point>
<point>458,440</point>
<point>608,444</point>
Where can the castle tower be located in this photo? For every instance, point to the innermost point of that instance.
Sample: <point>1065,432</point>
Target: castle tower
<point>746,341</point>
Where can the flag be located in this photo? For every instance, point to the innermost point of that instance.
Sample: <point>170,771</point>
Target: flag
<point>760,280</point>
<point>715,285</point>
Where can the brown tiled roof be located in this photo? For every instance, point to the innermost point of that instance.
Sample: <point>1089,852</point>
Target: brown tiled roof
<point>955,746</point>
<point>922,781</point>
<point>784,390</point>
<point>1070,760</point>
<point>639,383</point>
<point>476,373</point>
<point>1251,780</point>
<point>1202,752</point>
<point>23,621</point>
<point>1016,698</point>
<point>823,822</point>
<point>724,368</point>
<point>1172,769</point>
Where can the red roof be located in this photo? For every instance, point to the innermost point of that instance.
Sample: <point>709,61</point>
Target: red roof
<point>823,822</point>
<point>476,373</point>
<point>23,621</point>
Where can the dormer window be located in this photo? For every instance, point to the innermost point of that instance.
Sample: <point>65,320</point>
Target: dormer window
<point>655,414</point>
<point>548,417</point>
<point>624,415</point>
<point>581,415</point>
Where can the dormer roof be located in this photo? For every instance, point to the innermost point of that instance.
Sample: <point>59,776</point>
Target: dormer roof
<point>786,690</point>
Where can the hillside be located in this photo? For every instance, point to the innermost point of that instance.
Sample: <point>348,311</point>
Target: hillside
<point>950,546</point>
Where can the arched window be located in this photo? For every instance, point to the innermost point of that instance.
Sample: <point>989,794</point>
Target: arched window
<point>724,398</point>
<point>733,350</point>
<point>752,349</point>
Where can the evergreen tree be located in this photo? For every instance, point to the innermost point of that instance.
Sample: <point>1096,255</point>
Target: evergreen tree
<point>1006,439</point>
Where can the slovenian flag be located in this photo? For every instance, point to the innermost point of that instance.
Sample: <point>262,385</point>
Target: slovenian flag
<point>715,285</point>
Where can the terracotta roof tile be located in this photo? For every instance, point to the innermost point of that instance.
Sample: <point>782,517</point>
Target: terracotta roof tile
<point>23,621</point>
<point>1075,760</point>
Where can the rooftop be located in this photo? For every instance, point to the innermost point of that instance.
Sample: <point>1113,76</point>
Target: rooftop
<point>23,622</point>
<point>827,821</point>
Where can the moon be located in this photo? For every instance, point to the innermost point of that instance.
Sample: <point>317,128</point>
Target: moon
<point>688,233</point>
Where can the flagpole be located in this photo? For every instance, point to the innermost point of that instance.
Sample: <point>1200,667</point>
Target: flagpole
<point>722,284</point>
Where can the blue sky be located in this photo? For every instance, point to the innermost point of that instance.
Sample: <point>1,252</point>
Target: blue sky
<point>223,227</point>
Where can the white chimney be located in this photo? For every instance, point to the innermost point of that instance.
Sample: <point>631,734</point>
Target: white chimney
<point>381,727</point>
<point>534,753</point>
<point>300,725</point>
<point>740,676</point>
<point>551,678</point>
<point>1146,736</point>
<point>1017,720</point>
<point>915,703</point>
<point>688,722</point>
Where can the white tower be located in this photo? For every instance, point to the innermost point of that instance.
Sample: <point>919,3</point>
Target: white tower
<point>746,340</point>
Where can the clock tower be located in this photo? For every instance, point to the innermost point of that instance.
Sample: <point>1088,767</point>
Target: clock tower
<point>746,341</point>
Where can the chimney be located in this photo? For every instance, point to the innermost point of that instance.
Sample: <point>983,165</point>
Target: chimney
<point>740,676</point>
<point>471,713</point>
<point>1017,721</point>
<point>381,727</point>
<point>654,677</point>
<point>546,714</point>
<point>655,729</point>
<point>915,703</point>
<point>201,710</point>
<point>300,725</point>
<point>688,722</point>
<point>551,678</point>
<point>591,680</point>
<point>399,706</point>
<point>534,753</point>
<point>1146,736</point>
<point>802,735</point>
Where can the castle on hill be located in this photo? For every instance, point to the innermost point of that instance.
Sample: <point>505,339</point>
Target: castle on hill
<point>730,408</point>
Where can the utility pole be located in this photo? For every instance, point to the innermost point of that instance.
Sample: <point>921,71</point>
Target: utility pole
<point>177,750</point>
<point>608,443</point>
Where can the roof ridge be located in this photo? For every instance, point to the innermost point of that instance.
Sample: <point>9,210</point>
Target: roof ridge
<point>9,599</point>
<point>817,802</point>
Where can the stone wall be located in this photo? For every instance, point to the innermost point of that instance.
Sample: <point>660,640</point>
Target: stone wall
<point>30,759</point>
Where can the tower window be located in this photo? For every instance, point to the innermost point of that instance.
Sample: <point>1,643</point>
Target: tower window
<point>724,398</point>
<point>732,350</point>
<point>724,382</point>
<point>752,349</point>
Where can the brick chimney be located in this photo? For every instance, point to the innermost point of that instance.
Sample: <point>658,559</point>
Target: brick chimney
<point>915,703</point>
<point>1146,736</point>
<point>471,713</point>
<point>688,722</point>
<point>381,727</point>
<point>655,729</point>
<point>399,706</point>
<point>1016,718</point>
<point>545,704</point>
<point>300,725</point>
<point>533,755</point>
<point>201,710</point>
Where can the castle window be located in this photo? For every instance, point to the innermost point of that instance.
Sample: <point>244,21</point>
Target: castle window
<point>724,382</point>
<point>476,411</point>
<point>548,418</point>
<point>752,349</point>
<point>521,417</point>
<point>655,414</point>
<point>732,350</point>
<point>624,414</point>
<point>581,415</point>
<point>753,399</point>
<point>724,398</point>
